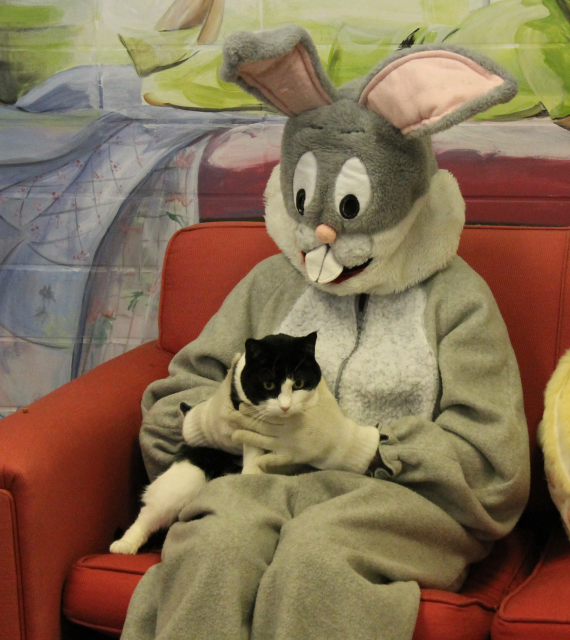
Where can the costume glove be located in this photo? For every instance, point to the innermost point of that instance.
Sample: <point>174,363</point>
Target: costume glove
<point>322,436</point>
<point>210,423</point>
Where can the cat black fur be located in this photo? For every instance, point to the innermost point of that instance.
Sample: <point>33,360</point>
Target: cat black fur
<point>213,462</point>
<point>272,359</point>
<point>275,358</point>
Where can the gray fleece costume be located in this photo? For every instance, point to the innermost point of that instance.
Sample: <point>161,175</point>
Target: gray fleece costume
<point>409,338</point>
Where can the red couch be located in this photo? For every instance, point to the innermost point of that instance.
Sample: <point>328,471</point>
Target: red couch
<point>71,466</point>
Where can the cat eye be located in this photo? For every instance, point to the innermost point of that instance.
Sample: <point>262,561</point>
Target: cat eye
<point>352,189</point>
<point>298,384</point>
<point>269,386</point>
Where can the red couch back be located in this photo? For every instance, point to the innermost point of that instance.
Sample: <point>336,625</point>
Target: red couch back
<point>527,269</point>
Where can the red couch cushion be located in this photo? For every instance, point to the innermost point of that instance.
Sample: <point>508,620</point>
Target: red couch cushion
<point>540,608</point>
<point>202,264</point>
<point>468,615</point>
<point>99,588</point>
<point>527,269</point>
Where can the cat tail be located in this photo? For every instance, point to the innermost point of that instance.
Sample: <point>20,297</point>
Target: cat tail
<point>163,500</point>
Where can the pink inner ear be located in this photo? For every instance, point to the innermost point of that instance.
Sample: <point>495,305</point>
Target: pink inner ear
<point>290,83</point>
<point>421,88</point>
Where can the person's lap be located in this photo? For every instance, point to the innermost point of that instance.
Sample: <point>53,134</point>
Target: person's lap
<point>321,554</point>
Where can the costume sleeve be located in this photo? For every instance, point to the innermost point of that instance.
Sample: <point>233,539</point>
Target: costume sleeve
<point>473,459</point>
<point>251,310</point>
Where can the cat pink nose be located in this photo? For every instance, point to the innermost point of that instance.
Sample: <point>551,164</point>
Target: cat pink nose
<point>325,234</point>
<point>284,408</point>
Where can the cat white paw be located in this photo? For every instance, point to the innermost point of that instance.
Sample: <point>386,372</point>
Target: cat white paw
<point>122,546</point>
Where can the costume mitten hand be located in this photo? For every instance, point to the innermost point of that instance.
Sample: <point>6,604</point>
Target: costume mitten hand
<point>322,436</point>
<point>210,423</point>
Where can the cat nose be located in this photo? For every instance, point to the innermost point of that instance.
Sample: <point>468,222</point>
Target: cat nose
<point>325,234</point>
<point>284,408</point>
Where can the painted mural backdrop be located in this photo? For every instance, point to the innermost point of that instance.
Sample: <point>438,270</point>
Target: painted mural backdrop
<point>115,131</point>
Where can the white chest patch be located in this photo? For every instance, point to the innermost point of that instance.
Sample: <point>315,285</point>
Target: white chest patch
<point>380,372</point>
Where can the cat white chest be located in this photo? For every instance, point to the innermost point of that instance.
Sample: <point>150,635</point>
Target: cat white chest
<point>377,361</point>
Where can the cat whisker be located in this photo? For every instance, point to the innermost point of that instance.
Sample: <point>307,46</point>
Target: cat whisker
<point>260,417</point>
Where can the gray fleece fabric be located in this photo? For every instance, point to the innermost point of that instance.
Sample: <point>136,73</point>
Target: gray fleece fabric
<point>470,454</point>
<point>328,555</point>
<point>331,554</point>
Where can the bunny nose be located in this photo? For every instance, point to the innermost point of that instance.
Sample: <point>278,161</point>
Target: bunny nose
<point>325,234</point>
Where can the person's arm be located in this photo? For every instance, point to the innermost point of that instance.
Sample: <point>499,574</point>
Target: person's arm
<point>472,460</point>
<point>251,310</point>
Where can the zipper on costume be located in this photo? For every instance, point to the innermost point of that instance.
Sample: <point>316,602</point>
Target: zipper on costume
<point>360,306</point>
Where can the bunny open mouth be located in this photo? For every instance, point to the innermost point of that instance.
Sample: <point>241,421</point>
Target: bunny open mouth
<point>322,267</point>
<point>350,273</point>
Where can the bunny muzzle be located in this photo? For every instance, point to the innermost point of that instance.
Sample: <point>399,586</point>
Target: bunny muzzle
<point>323,268</point>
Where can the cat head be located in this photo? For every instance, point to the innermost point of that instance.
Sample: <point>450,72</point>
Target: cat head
<point>278,374</point>
<point>357,169</point>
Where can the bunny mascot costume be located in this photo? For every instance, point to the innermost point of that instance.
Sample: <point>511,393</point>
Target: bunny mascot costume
<point>417,444</point>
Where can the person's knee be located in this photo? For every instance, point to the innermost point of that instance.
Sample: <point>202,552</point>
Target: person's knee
<point>301,547</point>
<point>210,538</point>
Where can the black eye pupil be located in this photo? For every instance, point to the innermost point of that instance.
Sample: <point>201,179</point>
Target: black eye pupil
<point>300,201</point>
<point>349,206</point>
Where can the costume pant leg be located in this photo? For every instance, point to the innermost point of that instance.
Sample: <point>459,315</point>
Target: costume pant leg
<point>142,626</point>
<point>212,562</point>
<point>349,562</point>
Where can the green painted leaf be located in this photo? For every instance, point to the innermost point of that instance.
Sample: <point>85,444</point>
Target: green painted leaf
<point>355,52</point>
<point>176,217</point>
<point>154,51</point>
<point>544,56</point>
<point>134,300</point>
<point>195,83</point>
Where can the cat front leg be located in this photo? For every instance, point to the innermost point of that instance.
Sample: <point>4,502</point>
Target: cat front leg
<point>163,500</point>
<point>250,457</point>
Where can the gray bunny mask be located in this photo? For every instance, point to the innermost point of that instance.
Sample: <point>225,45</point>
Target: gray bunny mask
<point>358,204</point>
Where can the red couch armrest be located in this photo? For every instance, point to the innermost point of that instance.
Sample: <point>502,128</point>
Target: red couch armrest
<point>70,468</point>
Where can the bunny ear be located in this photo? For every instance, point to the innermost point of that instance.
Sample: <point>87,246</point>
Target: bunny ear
<point>280,67</point>
<point>426,90</point>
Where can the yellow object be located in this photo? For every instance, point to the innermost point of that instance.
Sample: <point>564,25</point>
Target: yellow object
<point>554,437</point>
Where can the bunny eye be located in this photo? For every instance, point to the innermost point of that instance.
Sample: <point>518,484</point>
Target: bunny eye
<point>352,189</point>
<point>300,201</point>
<point>304,181</point>
<point>349,206</point>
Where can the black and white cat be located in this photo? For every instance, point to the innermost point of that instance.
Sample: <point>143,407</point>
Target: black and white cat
<point>278,377</point>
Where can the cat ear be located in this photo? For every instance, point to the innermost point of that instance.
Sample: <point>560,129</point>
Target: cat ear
<point>310,342</point>
<point>280,67</point>
<point>426,89</point>
<point>184,408</point>
<point>253,349</point>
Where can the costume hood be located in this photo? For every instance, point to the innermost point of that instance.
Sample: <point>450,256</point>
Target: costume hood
<point>358,204</point>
